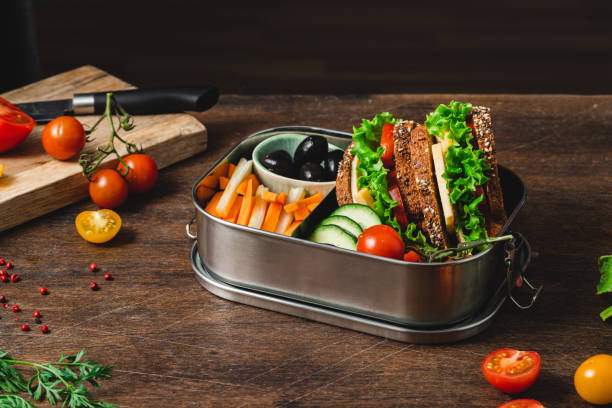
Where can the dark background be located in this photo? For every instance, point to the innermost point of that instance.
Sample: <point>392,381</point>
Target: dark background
<point>342,47</point>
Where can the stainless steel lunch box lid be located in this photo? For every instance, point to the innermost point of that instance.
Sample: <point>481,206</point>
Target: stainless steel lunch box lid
<point>415,295</point>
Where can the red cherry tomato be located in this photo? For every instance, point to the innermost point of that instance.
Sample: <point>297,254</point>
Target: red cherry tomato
<point>381,240</point>
<point>15,125</point>
<point>522,403</point>
<point>511,371</point>
<point>142,175</point>
<point>63,137</point>
<point>108,189</point>
<point>412,256</point>
<point>386,141</point>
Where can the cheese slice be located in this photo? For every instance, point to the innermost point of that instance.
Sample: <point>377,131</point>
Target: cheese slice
<point>447,208</point>
<point>364,197</point>
<point>354,185</point>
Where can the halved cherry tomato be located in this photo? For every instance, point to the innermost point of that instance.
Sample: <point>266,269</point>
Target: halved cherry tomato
<point>412,256</point>
<point>142,175</point>
<point>511,371</point>
<point>593,379</point>
<point>381,240</point>
<point>15,125</point>
<point>98,226</point>
<point>386,141</point>
<point>108,189</point>
<point>63,137</point>
<point>522,403</point>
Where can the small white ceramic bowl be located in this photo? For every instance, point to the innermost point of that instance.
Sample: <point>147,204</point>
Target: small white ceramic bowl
<point>276,183</point>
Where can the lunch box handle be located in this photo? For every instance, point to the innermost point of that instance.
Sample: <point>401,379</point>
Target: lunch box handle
<point>518,257</point>
<point>188,229</point>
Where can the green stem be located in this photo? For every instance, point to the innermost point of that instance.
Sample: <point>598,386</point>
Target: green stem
<point>37,366</point>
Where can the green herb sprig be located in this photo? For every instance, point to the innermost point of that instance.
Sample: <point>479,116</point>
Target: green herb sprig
<point>59,382</point>
<point>605,282</point>
<point>90,161</point>
<point>462,249</point>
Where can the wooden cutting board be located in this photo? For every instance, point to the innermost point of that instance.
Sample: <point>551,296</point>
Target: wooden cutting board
<point>34,183</point>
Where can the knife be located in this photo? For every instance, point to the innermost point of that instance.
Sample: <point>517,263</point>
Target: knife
<point>136,102</point>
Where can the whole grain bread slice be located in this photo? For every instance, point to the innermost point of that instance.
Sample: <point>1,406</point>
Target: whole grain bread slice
<point>415,176</point>
<point>483,129</point>
<point>343,179</point>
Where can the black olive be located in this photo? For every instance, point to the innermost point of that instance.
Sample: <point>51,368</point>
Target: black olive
<point>279,162</point>
<point>332,162</point>
<point>312,149</point>
<point>310,171</point>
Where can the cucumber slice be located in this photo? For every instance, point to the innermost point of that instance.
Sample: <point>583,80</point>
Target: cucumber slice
<point>345,223</point>
<point>334,235</point>
<point>361,214</point>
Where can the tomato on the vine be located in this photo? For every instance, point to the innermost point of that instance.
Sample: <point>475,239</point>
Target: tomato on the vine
<point>63,137</point>
<point>142,175</point>
<point>108,189</point>
<point>98,226</point>
<point>381,240</point>
<point>15,125</point>
<point>593,379</point>
<point>522,403</point>
<point>511,371</point>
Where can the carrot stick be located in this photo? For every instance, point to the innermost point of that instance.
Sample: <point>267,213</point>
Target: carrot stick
<point>301,213</point>
<point>241,190</point>
<point>312,206</point>
<point>272,216</point>
<point>230,170</point>
<point>247,205</point>
<point>203,193</point>
<point>292,227</point>
<point>233,214</point>
<point>317,198</point>
<point>269,196</point>
<point>223,182</point>
<point>211,207</point>
<point>210,181</point>
<point>282,198</point>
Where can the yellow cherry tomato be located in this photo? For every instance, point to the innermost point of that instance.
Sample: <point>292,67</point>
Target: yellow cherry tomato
<point>593,379</point>
<point>1,169</point>
<point>98,226</point>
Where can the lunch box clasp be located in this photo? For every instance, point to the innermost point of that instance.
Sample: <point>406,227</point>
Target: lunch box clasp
<point>188,229</point>
<point>518,257</point>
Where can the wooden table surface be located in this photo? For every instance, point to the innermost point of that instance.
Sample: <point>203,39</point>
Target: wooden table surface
<point>175,344</point>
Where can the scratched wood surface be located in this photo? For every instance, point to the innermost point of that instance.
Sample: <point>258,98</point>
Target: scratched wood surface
<point>34,183</point>
<point>174,344</point>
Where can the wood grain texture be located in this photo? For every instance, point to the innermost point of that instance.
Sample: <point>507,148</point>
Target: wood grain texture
<point>34,183</point>
<point>175,344</point>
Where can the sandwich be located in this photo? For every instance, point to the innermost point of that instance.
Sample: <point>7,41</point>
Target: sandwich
<point>436,183</point>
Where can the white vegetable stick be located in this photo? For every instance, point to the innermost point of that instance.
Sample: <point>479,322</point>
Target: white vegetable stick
<point>259,209</point>
<point>295,194</point>
<point>242,171</point>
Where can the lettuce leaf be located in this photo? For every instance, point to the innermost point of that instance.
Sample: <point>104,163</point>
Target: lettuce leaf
<point>371,172</point>
<point>606,313</point>
<point>464,167</point>
<point>605,269</point>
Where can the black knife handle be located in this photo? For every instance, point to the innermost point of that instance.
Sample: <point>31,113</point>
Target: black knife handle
<point>159,100</point>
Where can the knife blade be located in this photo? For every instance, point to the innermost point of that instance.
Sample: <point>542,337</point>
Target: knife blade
<point>136,102</point>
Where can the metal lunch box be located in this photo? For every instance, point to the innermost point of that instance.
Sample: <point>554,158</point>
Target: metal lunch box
<point>419,296</point>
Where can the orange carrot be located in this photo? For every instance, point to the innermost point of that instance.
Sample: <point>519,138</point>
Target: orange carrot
<point>241,190</point>
<point>269,196</point>
<point>223,182</point>
<point>272,217</point>
<point>282,198</point>
<point>292,228</point>
<point>233,214</point>
<point>221,170</point>
<point>203,193</point>
<point>312,206</point>
<point>210,181</point>
<point>317,198</point>
<point>301,213</point>
<point>247,205</point>
<point>212,204</point>
<point>230,170</point>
